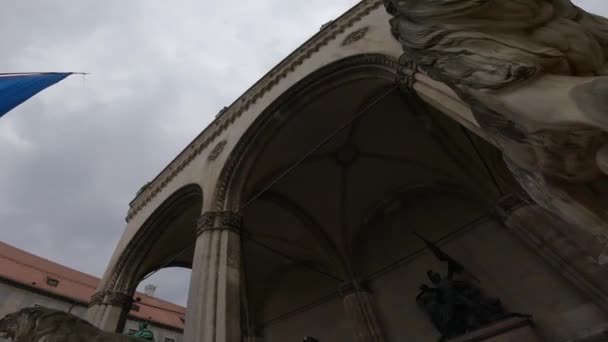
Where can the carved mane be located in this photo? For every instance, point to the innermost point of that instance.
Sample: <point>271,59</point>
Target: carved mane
<point>489,44</point>
<point>38,324</point>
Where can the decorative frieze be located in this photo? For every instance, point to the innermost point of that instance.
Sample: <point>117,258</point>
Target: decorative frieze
<point>219,220</point>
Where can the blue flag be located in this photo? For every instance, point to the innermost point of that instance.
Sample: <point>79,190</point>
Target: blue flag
<point>18,88</point>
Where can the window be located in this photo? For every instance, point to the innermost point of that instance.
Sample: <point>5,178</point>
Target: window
<point>52,281</point>
<point>167,339</point>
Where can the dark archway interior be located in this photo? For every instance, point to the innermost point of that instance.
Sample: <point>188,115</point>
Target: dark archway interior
<point>165,240</point>
<point>174,244</point>
<point>348,211</point>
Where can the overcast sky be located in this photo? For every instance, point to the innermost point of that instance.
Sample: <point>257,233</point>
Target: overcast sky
<point>73,157</point>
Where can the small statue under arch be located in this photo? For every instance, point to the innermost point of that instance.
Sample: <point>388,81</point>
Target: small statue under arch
<point>456,305</point>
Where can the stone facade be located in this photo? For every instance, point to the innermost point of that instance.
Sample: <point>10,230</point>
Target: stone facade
<point>296,208</point>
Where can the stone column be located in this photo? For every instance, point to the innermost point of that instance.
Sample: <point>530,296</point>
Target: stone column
<point>551,238</point>
<point>358,304</point>
<point>96,308</point>
<point>214,310</point>
<point>107,309</point>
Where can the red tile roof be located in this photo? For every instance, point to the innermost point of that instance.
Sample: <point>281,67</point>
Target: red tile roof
<point>33,271</point>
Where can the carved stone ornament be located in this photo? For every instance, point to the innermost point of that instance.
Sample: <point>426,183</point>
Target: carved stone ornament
<point>217,150</point>
<point>534,75</point>
<point>219,220</point>
<point>355,36</point>
<point>97,298</point>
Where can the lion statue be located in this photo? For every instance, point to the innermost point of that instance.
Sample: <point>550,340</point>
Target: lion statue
<point>490,44</point>
<point>506,59</point>
<point>535,76</point>
<point>40,324</point>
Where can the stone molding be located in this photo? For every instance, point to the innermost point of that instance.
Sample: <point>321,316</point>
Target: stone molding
<point>219,220</point>
<point>249,98</point>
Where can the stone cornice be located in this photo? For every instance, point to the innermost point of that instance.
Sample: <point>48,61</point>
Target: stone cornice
<point>219,220</point>
<point>228,115</point>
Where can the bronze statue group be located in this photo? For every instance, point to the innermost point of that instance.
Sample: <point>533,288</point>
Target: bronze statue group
<point>456,305</point>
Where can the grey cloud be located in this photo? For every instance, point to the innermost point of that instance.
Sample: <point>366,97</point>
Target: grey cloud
<point>74,155</point>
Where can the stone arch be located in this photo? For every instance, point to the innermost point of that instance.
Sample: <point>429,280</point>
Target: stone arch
<point>150,231</point>
<point>227,196</point>
<point>138,258</point>
<point>234,183</point>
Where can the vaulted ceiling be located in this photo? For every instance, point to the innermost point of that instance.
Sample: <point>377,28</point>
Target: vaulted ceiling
<point>343,211</point>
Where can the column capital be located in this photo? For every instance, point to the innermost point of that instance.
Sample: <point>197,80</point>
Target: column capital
<point>97,298</point>
<point>351,287</point>
<point>219,220</point>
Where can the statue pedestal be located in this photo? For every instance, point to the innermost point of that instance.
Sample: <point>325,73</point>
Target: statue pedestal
<point>517,329</point>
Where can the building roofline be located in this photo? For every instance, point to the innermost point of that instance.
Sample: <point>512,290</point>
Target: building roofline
<point>29,272</point>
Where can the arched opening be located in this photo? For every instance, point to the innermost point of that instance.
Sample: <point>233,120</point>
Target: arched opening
<point>161,300</point>
<point>170,284</point>
<point>161,247</point>
<point>345,215</point>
